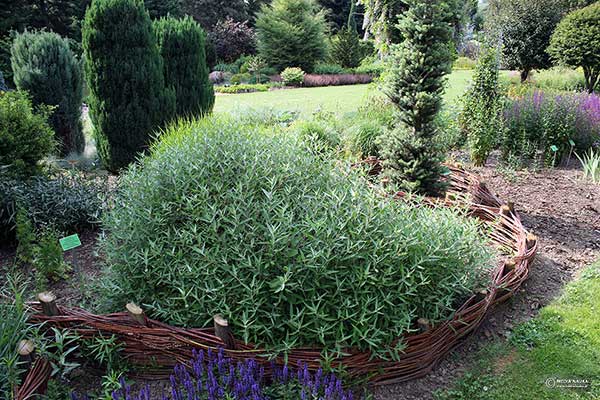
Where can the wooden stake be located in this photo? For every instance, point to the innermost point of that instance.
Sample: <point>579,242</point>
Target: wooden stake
<point>480,294</point>
<point>26,349</point>
<point>136,313</point>
<point>505,210</point>
<point>223,332</point>
<point>531,240</point>
<point>48,302</point>
<point>423,324</point>
<point>511,206</point>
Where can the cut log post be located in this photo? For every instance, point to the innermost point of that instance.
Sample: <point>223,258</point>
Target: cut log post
<point>136,313</point>
<point>26,350</point>
<point>48,302</point>
<point>531,240</point>
<point>423,324</point>
<point>511,206</point>
<point>223,332</point>
<point>480,294</point>
<point>505,210</point>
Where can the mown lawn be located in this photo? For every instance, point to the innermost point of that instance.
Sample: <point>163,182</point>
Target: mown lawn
<point>561,344</point>
<point>338,99</point>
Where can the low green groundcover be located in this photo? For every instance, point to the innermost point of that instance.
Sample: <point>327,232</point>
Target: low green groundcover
<point>248,221</point>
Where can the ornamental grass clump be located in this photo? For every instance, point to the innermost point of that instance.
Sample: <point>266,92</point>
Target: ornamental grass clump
<point>248,221</point>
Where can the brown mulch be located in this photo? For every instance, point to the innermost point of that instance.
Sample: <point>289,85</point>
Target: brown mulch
<point>564,212</point>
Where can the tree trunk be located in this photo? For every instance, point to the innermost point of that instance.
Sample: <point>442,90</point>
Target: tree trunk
<point>524,75</point>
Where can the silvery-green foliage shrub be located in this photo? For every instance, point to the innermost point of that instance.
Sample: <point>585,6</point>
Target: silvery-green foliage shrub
<point>249,222</point>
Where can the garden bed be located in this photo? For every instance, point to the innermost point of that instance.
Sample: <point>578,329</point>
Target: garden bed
<point>153,343</point>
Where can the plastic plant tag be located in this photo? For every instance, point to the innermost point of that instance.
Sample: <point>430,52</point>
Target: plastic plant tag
<point>70,242</point>
<point>554,148</point>
<point>572,143</point>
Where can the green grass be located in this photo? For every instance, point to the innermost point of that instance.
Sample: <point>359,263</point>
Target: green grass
<point>338,99</point>
<point>563,342</point>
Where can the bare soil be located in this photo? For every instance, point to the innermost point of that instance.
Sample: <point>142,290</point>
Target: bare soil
<point>564,212</point>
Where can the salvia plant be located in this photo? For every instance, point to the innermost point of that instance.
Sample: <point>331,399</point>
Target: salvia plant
<point>546,128</point>
<point>213,375</point>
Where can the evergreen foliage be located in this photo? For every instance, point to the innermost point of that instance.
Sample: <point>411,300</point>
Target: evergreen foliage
<point>25,137</point>
<point>3,87</point>
<point>481,117</point>
<point>124,72</point>
<point>181,45</point>
<point>415,86</point>
<point>291,33</point>
<point>346,49</point>
<point>163,8</point>
<point>44,65</point>
<point>208,12</point>
<point>576,43</point>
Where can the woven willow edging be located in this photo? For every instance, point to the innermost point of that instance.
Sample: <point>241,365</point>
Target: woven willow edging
<point>159,346</point>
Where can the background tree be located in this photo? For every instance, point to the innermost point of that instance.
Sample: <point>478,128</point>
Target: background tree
<point>124,72</point>
<point>163,8</point>
<point>3,86</point>
<point>208,12</point>
<point>231,39</point>
<point>576,43</point>
<point>44,65</point>
<point>345,47</point>
<point>415,86</point>
<point>337,12</point>
<point>525,27</point>
<point>291,33</point>
<point>481,116</point>
<point>181,45</point>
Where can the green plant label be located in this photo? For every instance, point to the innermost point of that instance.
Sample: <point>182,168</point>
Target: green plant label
<point>70,242</point>
<point>554,148</point>
<point>572,143</point>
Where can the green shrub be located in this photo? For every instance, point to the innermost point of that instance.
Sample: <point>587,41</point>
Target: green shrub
<point>365,137</point>
<point>415,85</point>
<point>291,33</point>
<point>481,117</point>
<point>249,222</point>
<point>345,49</point>
<point>464,63</point>
<point>128,99</point>
<point>576,43</point>
<point>243,88</point>
<point>370,65</point>
<point>69,204</point>
<point>292,76</point>
<point>25,136</point>
<point>240,78</point>
<point>181,45</point>
<point>329,69</point>
<point>48,259</point>
<point>44,65</point>
<point>590,162</point>
<point>25,236</point>
<point>319,134</point>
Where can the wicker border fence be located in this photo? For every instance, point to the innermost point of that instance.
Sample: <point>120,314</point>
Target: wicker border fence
<point>158,346</point>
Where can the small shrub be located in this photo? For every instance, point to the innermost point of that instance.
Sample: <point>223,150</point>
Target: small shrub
<point>370,66</point>
<point>242,88</point>
<point>25,236</point>
<point>292,76</point>
<point>464,63</point>
<point>364,137</point>
<point>319,134</point>
<point>181,45</point>
<point>128,99</point>
<point>240,78</point>
<point>48,259</point>
<point>481,116</point>
<point>329,69</point>
<point>232,39</point>
<point>45,67</point>
<point>291,33</point>
<point>544,129</point>
<point>25,136</point>
<point>213,375</point>
<point>558,79</point>
<point>311,80</point>
<point>69,204</point>
<point>254,210</point>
